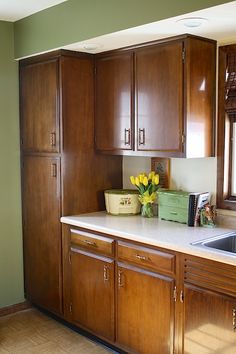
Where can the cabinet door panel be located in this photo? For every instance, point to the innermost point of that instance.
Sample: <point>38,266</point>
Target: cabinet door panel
<point>92,292</point>
<point>42,236</point>
<point>114,81</point>
<point>39,107</point>
<point>145,311</point>
<point>159,97</point>
<point>208,322</point>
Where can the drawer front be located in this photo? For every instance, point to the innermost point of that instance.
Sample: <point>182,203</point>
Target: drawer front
<point>173,214</point>
<point>146,257</point>
<point>94,243</point>
<point>210,274</point>
<point>173,200</point>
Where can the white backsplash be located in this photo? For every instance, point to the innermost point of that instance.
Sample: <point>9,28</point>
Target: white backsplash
<point>191,175</point>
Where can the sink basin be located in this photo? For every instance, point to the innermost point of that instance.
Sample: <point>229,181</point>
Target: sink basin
<point>226,242</point>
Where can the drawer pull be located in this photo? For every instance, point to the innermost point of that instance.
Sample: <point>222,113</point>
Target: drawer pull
<point>173,213</point>
<point>90,243</point>
<point>105,273</point>
<point>234,319</point>
<point>141,258</point>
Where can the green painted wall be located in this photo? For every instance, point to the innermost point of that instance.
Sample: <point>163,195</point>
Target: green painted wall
<point>77,20</point>
<point>66,23</point>
<point>11,269</point>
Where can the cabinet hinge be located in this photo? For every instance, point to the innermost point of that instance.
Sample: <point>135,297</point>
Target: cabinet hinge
<point>181,296</point>
<point>70,307</point>
<point>175,294</point>
<point>70,258</point>
<point>183,138</point>
<point>183,54</point>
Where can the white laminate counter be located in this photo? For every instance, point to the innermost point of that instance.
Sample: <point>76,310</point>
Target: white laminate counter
<point>154,232</point>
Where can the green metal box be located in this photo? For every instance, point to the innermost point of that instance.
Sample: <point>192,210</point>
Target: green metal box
<point>173,205</point>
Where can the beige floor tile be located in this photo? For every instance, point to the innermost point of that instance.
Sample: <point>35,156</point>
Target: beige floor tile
<point>31,332</point>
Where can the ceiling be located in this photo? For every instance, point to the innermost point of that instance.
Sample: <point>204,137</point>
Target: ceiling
<point>220,25</point>
<point>13,10</point>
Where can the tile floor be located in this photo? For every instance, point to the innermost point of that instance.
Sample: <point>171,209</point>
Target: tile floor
<point>31,332</point>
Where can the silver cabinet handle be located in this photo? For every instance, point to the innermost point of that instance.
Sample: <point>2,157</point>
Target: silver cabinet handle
<point>234,318</point>
<point>91,243</point>
<point>127,136</point>
<point>141,136</point>
<point>105,273</point>
<point>53,170</point>
<point>141,258</point>
<point>53,139</point>
<point>120,284</point>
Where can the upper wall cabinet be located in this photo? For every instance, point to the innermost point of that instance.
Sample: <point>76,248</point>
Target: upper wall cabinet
<point>114,87</point>
<point>157,99</point>
<point>40,127</point>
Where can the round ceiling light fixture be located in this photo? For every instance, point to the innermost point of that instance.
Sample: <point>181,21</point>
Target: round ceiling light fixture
<point>192,22</point>
<point>91,46</point>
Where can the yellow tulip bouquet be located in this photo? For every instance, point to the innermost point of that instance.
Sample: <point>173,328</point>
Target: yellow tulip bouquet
<point>147,186</point>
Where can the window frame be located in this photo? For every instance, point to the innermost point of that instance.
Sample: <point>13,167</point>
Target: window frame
<point>224,170</point>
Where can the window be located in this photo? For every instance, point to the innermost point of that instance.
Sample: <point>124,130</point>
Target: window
<point>226,162</point>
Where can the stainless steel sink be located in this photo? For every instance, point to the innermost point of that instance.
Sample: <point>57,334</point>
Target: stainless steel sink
<point>226,242</point>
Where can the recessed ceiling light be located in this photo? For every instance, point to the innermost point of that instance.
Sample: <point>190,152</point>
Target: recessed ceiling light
<point>192,22</point>
<point>91,46</point>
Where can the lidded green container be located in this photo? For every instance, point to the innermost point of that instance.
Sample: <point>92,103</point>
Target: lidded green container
<point>173,205</point>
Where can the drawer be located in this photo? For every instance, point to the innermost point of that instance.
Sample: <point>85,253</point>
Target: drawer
<point>174,200</point>
<point>146,257</point>
<point>92,242</point>
<point>173,214</point>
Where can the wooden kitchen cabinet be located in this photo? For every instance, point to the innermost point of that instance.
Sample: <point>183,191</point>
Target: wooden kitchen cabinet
<point>172,98</point>
<point>113,105</point>
<point>40,126</point>
<point>209,307</point>
<point>42,244</point>
<point>89,288</point>
<point>92,292</point>
<point>61,173</point>
<point>159,97</point>
<point>145,311</point>
<point>145,300</point>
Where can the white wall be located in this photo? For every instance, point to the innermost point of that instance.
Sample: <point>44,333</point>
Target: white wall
<point>191,175</point>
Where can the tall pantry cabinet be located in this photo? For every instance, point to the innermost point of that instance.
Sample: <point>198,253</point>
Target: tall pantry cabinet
<point>61,172</point>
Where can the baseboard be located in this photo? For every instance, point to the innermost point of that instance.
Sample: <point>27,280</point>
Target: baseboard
<point>14,308</point>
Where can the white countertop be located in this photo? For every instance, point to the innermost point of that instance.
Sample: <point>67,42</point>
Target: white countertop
<point>154,232</point>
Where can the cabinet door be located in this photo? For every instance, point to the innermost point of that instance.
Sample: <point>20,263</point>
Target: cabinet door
<point>92,292</point>
<point>145,311</point>
<point>159,97</point>
<point>42,235</point>
<point>209,322</point>
<point>39,107</point>
<point>114,81</point>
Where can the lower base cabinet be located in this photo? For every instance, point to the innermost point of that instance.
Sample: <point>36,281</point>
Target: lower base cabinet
<point>146,300</point>
<point>92,292</point>
<point>209,323</point>
<point>145,311</point>
<point>208,307</point>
